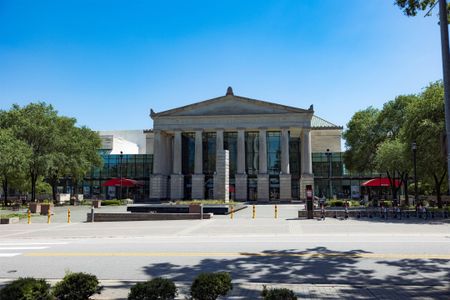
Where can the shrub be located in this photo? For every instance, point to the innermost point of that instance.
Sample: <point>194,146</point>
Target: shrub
<point>77,286</point>
<point>112,202</point>
<point>278,294</point>
<point>26,289</point>
<point>336,203</point>
<point>209,286</point>
<point>155,289</point>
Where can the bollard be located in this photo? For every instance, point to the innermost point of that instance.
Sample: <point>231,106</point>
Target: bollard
<point>92,214</point>
<point>68,215</point>
<point>254,212</point>
<point>276,211</point>
<point>231,212</point>
<point>49,216</point>
<point>29,216</point>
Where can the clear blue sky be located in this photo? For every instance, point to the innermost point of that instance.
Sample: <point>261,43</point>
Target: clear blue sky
<point>108,62</point>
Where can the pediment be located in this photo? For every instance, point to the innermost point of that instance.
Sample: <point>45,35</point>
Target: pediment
<point>230,105</point>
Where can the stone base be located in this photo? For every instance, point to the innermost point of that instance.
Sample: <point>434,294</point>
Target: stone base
<point>285,187</point>
<point>306,179</point>
<point>158,187</point>
<point>198,187</point>
<point>263,187</point>
<point>176,187</point>
<point>241,187</point>
<point>221,178</point>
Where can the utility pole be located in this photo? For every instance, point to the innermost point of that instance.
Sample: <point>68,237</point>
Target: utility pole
<point>443,15</point>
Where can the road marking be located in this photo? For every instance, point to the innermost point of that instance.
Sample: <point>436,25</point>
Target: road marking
<point>9,254</point>
<point>242,254</point>
<point>23,248</point>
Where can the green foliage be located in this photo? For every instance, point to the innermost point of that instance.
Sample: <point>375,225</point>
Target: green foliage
<point>26,289</point>
<point>278,294</point>
<point>209,286</point>
<point>113,202</point>
<point>155,289</point>
<point>361,137</point>
<point>412,7</point>
<point>77,286</point>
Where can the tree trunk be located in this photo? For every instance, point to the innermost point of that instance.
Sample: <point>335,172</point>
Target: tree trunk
<point>5,190</point>
<point>437,186</point>
<point>33,187</point>
<point>405,182</point>
<point>54,183</point>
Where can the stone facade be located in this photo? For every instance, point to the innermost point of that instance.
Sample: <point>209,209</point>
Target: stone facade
<point>238,116</point>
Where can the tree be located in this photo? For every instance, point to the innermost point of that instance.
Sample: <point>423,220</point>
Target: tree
<point>391,158</point>
<point>361,138</point>
<point>14,159</point>
<point>425,125</point>
<point>410,8</point>
<point>58,147</point>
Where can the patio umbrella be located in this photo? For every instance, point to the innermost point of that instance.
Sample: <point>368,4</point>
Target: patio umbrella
<point>380,182</point>
<point>121,182</point>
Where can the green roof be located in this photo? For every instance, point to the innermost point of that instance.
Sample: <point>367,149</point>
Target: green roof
<point>317,122</point>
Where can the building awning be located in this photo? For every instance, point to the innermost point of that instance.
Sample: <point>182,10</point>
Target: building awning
<point>380,182</point>
<point>121,182</point>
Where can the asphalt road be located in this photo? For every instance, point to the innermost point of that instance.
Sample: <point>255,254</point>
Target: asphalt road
<point>283,250</point>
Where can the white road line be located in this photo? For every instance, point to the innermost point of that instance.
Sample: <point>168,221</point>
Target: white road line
<point>23,248</point>
<point>33,243</point>
<point>9,254</point>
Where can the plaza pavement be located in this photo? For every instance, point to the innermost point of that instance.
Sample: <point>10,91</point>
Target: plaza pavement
<point>331,259</point>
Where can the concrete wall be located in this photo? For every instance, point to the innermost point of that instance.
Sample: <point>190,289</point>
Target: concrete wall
<point>128,141</point>
<point>323,139</point>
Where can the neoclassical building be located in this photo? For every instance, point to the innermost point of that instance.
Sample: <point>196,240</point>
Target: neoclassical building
<point>269,147</point>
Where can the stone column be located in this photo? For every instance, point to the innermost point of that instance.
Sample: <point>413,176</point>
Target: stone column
<point>177,178</point>
<point>285,176</point>
<point>198,179</point>
<point>263,176</point>
<point>219,141</point>
<point>241,176</point>
<point>158,181</point>
<point>307,177</point>
<point>222,176</point>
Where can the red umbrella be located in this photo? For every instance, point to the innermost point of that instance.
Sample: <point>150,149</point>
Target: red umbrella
<point>121,182</point>
<point>383,181</point>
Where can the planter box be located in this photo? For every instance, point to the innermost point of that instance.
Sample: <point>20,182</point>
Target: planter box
<point>45,208</point>
<point>35,208</point>
<point>62,198</point>
<point>97,203</point>
<point>9,220</point>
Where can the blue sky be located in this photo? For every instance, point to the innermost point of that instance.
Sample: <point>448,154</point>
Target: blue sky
<point>108,62</point>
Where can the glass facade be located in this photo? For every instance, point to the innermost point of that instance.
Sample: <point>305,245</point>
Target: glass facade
<point>251,153</point>
<point>295,166</point>
<point>133,166</point>
<point>273,152</point>
<point>188,152</point>
<point>230,144</point>
<point>209,153</point>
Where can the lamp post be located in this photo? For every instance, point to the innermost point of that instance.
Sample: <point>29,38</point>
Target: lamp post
<point>121,157</point>
<point>328,154</point>
<point>414,149</point>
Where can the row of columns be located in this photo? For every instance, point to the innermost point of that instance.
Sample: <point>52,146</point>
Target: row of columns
<point>177,178</point>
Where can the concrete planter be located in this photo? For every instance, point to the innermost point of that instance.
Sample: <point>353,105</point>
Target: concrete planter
<point>97,203</point>
<point>9,220</point>
<point>194,208</point>
<point>45,208</point>
<point>35,208</point>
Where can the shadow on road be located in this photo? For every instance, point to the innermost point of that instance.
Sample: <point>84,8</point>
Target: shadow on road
<point>321,265</point>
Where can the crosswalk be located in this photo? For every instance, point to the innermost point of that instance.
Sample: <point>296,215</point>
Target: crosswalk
<point>15,249</point>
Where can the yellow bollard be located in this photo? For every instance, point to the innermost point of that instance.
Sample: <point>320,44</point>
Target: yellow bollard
<point>254,212</point>
<point>68,215</point>
<point>232,212</point>
<point>276,211</point>
<point>49,216</point>
<point>29,216</point>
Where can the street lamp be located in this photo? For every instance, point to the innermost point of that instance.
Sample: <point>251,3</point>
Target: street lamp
<point>121,157</point>
<point>414,149</point>
<point>328,154</point>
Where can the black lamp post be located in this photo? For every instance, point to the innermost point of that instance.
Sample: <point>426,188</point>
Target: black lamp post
<point>328,154</point>
<point>414,149</point>
<point>121,157</point>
